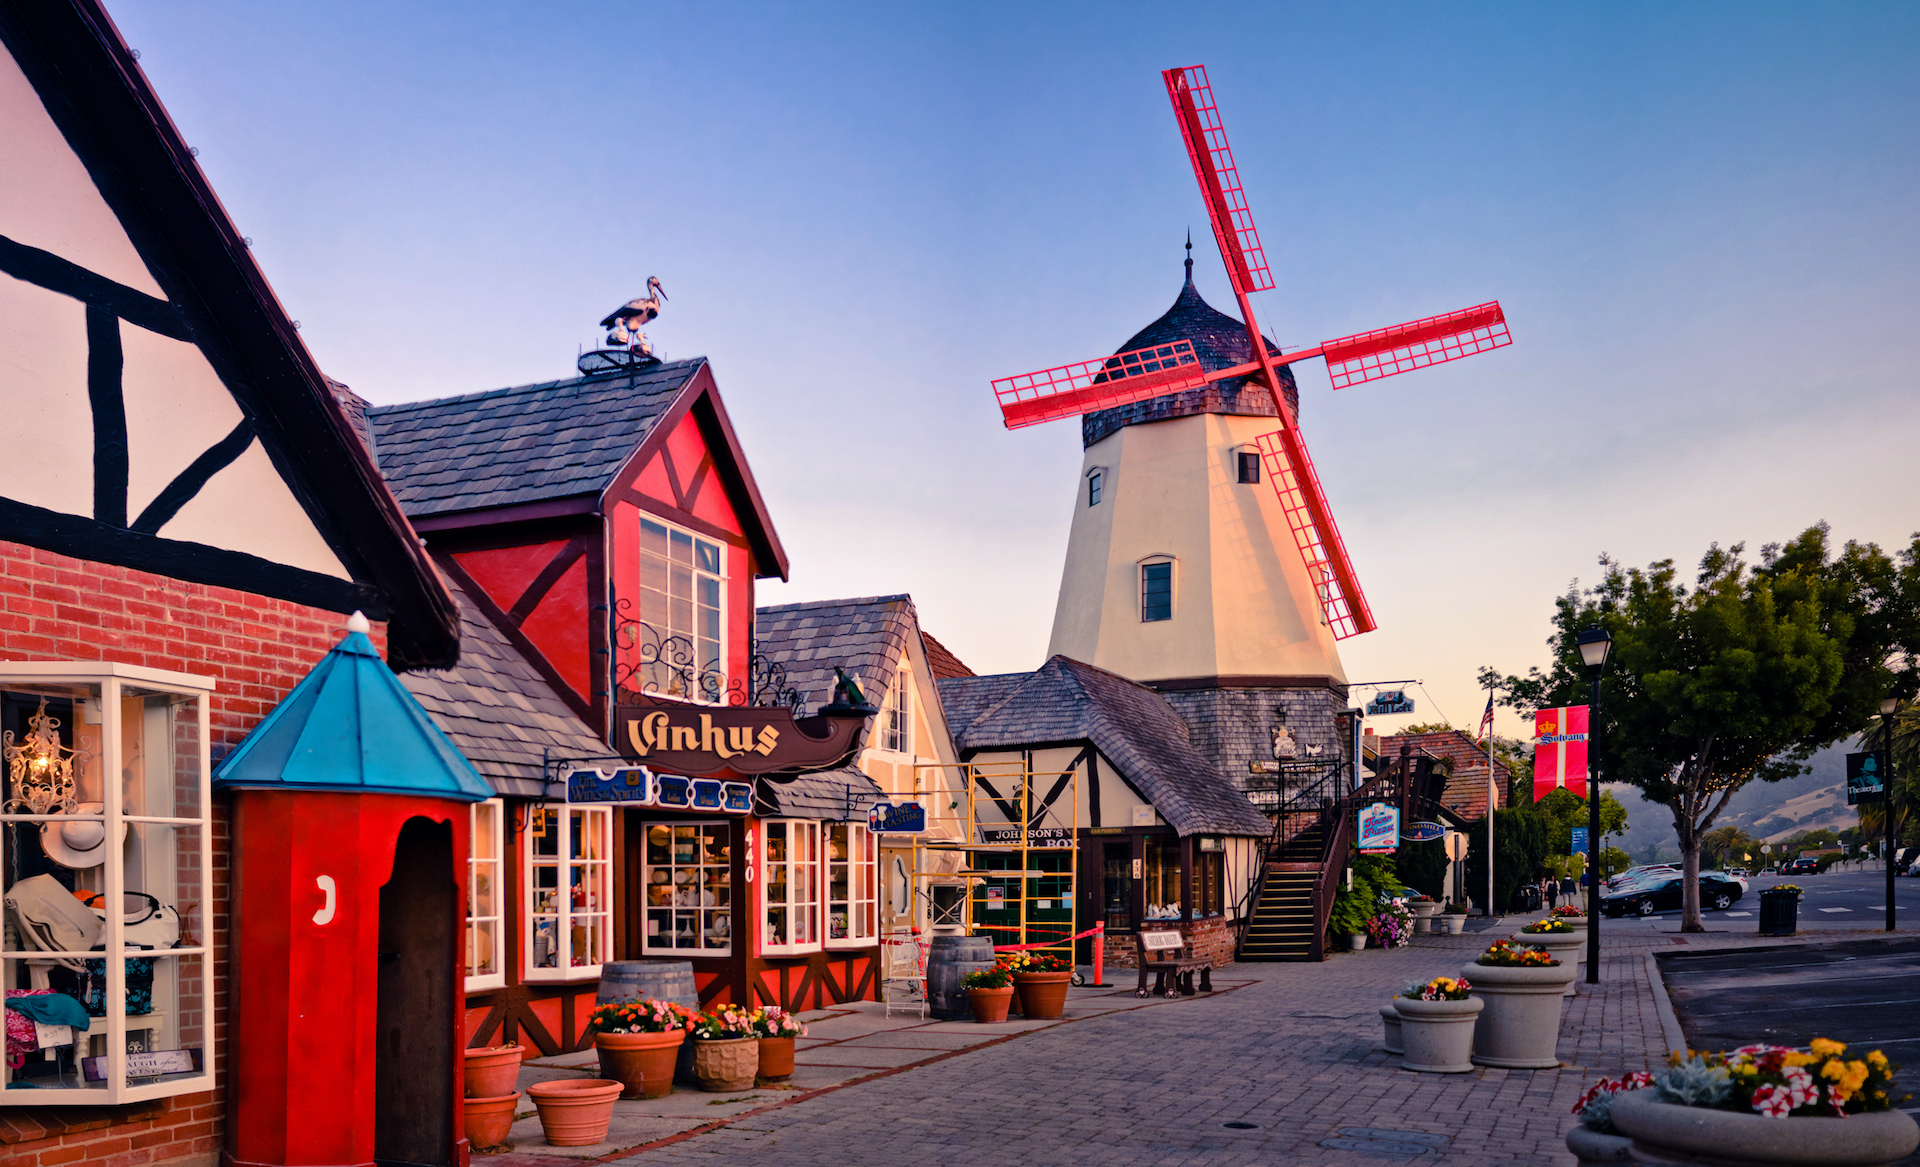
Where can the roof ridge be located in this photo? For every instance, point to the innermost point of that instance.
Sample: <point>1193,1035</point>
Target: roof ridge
<point>798,605</point>
<point>530,387</point>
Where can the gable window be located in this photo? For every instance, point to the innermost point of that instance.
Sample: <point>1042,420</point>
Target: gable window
<point>1249,465</point>
<point>1156,590</point>
<point>486,940</point>
<point>1095,480</point>
<point>896,718</point>
<point>569,917</point>
<point>683,601</point>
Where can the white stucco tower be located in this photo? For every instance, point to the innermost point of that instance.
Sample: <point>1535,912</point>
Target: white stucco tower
<point>1181,571</point>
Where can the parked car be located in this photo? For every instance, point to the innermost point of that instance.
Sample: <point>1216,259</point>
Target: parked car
<point>1801,867</point>
<point>1636,874</point>
<point>1906,861</point>
<point>1738,872</point>
<point>1717,893</point>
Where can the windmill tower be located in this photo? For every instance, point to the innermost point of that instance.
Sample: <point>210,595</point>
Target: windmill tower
<point>1203,558</point>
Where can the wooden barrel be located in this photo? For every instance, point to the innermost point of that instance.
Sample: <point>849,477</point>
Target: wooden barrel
<point>949,960</point>
<point>622,981</point>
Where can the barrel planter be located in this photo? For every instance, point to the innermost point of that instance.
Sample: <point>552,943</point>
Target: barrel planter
<point>1591,1148</point>
<point>623,981</point>
<point>1438,1035</point>
<point>1390,1024</point>
<point>776,1059</point>
<point>1043,995</point>
<point>488,1120</point>
<point>725,1064</point>
<point>493,1071</point>
<point>1663,1133</point>
<point>1520,1026</point>
<point>949,960</point>
<point>575,1112</point>
<point>641,1062</point>
<point>1569,948</point>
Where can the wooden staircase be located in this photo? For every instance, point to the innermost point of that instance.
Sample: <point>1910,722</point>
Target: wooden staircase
<point>1286,922</point>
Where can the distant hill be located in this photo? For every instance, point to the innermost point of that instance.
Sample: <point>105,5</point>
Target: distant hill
<point>1765,810</point>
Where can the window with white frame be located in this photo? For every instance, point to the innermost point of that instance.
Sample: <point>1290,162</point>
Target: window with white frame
<point>896,716</point>
<point>683,600</point>
<point>688,870</point>
<point>851,910</point>
<point>567,886</point>
<point>107,789</point>
<point>486,939</point>
<point>790,887</point>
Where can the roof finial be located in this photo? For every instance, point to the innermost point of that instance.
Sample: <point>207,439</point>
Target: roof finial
<point>1189,255</point>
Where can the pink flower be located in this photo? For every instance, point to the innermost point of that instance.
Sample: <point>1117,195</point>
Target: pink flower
<point>1772,1101</point>
<point>1800,1087</point>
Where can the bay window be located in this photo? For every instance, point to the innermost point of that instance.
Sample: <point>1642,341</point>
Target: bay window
<point>688,873</point>
<point>568,890</point>
<point>851,910</point>
<point>790,889</point>
<point>485,937</point>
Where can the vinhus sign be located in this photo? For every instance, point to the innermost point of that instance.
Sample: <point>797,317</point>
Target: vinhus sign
<point>693,739</point>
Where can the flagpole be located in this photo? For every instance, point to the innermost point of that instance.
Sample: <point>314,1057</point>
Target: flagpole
<point>1491,801</point>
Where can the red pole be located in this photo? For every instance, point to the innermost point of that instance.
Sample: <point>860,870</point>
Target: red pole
<point>1099,951</point>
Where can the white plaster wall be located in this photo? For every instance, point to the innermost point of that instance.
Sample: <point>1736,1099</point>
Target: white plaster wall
<point>176,408</point>
<point>43,397</point>
<point>247,507</point>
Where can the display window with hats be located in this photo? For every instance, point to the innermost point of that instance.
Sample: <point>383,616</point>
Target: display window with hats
<point>105,846</point>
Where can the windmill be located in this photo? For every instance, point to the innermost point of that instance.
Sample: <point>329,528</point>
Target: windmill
<point>1127,377</point>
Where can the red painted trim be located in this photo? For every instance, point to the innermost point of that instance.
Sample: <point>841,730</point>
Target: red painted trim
<point>526,512</point>
<point>511,630</point>
<point>562,562</point>
<point>672,514</point>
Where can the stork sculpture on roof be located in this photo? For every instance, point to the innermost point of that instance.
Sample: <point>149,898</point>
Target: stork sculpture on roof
<point>623,323</point>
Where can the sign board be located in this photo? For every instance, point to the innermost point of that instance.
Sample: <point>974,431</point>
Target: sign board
<point>1036,836</point>
<point>639,786</point>
<point>747,739</point>
<point>1264,797</point>
<point>1144,816</point>
<point>1866,777</point>
<point>1456,846</point>
<point>631,784</point>
<point>1560,750</point>
<point>1423,832</point>
<point>1579,841</point>
<point>905,818</point>
<point>1389,701</point>
<point>147,1064</point>
<point>1263,767</point>
<point>1379,828</point>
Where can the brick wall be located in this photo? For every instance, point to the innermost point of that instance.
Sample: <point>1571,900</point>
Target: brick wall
<point>1212,939</point>
<point>53,607</point>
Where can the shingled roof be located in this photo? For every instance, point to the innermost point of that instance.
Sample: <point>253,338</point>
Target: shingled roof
<point>864,636</point>
<point>530,443</point>
<point>498,711</point>
<point>832,795</point>
<point>940,659</point>
<point>1132,726</point>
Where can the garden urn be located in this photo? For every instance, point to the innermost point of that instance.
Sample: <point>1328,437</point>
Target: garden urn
<point>990,1005</point>
<point>1569,948</point>
<point>1438,1035</point>
<point>1423,913</point>
<point>1592,1148</point>
<point>1520,1027</point>
<point>1390,1023</point>
<point>726,1064</point>
<point>1664,1133</point>
<point>488,1120</point>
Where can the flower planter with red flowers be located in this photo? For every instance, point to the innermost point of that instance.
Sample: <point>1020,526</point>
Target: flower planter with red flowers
<point>1520,1026</point>
<point>638,1043</point>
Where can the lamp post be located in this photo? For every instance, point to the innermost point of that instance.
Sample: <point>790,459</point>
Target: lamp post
<point>1887,707</point>
<point>1594,645</point>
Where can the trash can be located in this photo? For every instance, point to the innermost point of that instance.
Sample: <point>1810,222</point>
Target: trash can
<point>1526,898</point>
<point>1779,912</point>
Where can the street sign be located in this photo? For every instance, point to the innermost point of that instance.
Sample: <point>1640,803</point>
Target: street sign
<point>1579,840</point>
<point>1390,701</point>
<point>1379,829</point>
<point>1423,832</point>
<point>1866,777</point>
<point>1456,846</point>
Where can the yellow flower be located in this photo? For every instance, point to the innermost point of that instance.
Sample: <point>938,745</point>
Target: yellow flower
<point>1827,1048</point>
<point>1835,1069</point>
<point>1798,1059</point>
<point>1877,1060</point>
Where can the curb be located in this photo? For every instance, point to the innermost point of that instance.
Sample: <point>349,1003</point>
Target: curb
<point>1663,1007</point>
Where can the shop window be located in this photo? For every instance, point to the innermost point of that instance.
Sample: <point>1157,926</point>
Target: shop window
<point>1163,877</point>
<point>1209,876</point>
<point>790,890</point>
<point>689,879</point>
<point>850,886</point>
<point>105,846</point>
<point>486,939</point>
<point>1156,590</point>
<point>569,929</point>
<point>1249,465</point>
<point>896,717</point>
<point>683,599</point>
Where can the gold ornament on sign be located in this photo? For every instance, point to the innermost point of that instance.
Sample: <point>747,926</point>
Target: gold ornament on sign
<point>40,769</point>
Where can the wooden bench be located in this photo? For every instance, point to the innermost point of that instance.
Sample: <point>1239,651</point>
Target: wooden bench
<point>1167,955</point>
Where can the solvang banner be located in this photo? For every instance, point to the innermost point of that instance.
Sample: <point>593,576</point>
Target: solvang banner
<point>1560,750</point>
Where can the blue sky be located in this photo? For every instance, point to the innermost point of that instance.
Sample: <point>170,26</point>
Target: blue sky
<point>1700,219</point>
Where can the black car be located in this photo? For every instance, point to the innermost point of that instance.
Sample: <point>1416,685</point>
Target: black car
<point>1717,893</point>
<point>1801,867</point>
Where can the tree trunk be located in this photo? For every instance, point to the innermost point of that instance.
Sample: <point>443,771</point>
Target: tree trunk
<point>1690,886</point>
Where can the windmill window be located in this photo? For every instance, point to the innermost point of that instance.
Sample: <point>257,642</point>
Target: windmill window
<point>1156,590</point>
<point>1249,465</point>
<point>1095,481</point>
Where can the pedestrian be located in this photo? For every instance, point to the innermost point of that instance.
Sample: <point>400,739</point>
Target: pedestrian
<point>1553,890</point>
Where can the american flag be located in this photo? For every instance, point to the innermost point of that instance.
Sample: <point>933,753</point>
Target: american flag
<point>1486,719</point>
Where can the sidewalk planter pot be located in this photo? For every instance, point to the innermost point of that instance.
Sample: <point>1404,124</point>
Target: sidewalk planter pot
<point>990,1005</point>
<point>1521,1024</point>
<point>493,1071</point>
<point>1569,948</point>
<point>1664,1133</point>
<point>1423,914</point>
<point>1438,1035</point>
<point>1357,939</point>
<point>488,1120</point>
<point>575,1112</point>
<point>1593,1147</point>
<point>1453,923</point>
<point>640,1062</point>
<point>1043,995</point>
<point>1390,1022</point>
<point>726,1064</point>
<point>776,1059</point>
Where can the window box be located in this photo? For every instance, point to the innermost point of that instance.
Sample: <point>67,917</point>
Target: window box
<point>568,930</point>
<point>688,872</point>
<point>143,842</point>
<point>486,938</point>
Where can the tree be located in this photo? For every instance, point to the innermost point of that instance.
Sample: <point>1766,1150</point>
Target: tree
<point>1726,843</point>
<point>1736,678</point>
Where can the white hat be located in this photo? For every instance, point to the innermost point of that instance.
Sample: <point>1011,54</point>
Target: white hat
<point>79,844</point>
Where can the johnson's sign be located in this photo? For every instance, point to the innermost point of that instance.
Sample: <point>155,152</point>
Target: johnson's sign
<point>692,739</point>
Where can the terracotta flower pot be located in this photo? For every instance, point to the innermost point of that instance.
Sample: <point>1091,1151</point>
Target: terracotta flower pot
<point>575,1112</point>
<point>1520,1027</point>
<point>1663,1133</point>
<point>641,1062</point>
<point>1043,995</point>
<point>776,1059</point>
<point>488,1120</point>
<point>990,1005</point>
<point>494,1071</point>
<point>1438,1035</point>
<point>726,1064</point>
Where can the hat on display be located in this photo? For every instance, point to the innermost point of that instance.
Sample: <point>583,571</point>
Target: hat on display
<point>81,843</point>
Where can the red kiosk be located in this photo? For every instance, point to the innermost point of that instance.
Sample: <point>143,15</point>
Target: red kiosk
<point>349,849</point>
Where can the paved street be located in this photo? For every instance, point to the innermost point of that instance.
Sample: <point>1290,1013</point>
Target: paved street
<point>1836,901</point>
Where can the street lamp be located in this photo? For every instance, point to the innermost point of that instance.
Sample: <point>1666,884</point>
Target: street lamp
<point>1594,645</point>
<point>1888,705</point>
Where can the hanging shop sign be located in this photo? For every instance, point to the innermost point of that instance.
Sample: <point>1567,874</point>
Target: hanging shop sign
<point>1423,832</point>
<point>901,818</point>
<point>1579,839</point>
<point>1036,836</point>
<point>630,784</point>
<point>1390,701</point>
<point>639,786</point>
<point>1379,828</point>
<point>1866,777</point>
<point>689,739</point>
<point>1560,750</point>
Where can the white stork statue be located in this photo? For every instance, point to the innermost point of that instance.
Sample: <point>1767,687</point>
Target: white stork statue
<point>623,323</point>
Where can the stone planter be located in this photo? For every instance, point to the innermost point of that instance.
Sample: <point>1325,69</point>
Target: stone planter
<point>1521,1024</point>
<point>641,1062</point>
<point>1593,1147</point>
<point>776,1059</point>
<point>1423,914</point>
<point>725,1064</point>
<point>493,1071</point>
<point>1043,995</point>
<point>1452,923</point>
<point>1438,1035</point>
<point>1569,948</point>
<point>1390,1022</point>
<point>1357,939</point>
<point>1665,1134</point>
<point>990,1005</point>
<point>488,1120</point>
<point>575,1112</point>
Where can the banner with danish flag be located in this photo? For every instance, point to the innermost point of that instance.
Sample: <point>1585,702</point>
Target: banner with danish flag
<point>1560,750</point>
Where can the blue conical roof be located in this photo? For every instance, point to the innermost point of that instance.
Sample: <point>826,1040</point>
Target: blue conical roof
<point>350,728</point>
